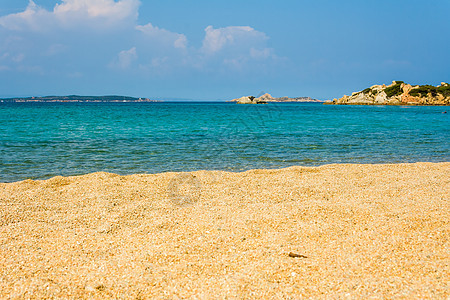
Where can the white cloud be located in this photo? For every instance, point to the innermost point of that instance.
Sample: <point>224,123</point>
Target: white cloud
<point>125,59</point>
<point>237,49</point>
<point>72,14</point>
<point>33,18</point>
<point>85,36</point>
<point>260,53</point>
<point>98,8</point>
<point>105,12</point>
<point>180,42</point>
<point>237,37</point>
<point>176,40</point>
<point>159,61</point>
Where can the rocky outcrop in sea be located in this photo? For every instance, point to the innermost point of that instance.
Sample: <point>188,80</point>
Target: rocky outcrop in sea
<point>266,98</point>
<point>399,93</point>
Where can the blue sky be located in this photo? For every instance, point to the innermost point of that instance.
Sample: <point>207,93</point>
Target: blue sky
<point>212,50</point>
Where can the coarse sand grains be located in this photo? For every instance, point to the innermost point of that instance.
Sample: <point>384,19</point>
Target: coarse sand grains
<point>335,231</point>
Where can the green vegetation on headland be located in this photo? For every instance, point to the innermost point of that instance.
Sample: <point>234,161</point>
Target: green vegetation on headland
<point>399,93</point>
<point>394,90</point>
<point>424,90</point>
<point>77,98</point>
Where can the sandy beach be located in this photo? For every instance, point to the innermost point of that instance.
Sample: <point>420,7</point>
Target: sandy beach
<point>336,231</point>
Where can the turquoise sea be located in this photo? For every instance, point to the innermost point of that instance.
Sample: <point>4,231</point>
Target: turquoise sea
<point>42,140</point>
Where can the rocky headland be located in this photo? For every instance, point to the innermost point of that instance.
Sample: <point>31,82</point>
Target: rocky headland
<point>399,93</point>
<point>266,98</point>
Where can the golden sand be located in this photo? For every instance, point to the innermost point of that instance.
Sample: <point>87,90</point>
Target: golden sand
<point>337,231</point>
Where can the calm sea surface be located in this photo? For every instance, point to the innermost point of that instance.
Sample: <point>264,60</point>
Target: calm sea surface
<point>42,140</point>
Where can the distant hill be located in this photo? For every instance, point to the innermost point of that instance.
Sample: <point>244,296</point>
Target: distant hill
<point>77,98</point>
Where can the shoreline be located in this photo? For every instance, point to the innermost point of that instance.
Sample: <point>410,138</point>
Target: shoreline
<point>333,231</point>
<point>214,171</point>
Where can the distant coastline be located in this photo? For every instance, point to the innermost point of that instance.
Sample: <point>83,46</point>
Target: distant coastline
<point>267,98</point>
<point>77,98</point>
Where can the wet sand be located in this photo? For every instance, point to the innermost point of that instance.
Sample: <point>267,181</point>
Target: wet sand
<point>336,231</point>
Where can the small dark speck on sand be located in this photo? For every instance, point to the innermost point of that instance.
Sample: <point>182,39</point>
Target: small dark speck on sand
<point>295,255</point>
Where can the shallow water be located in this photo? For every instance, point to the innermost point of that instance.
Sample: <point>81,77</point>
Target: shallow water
<point>41,140</point>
